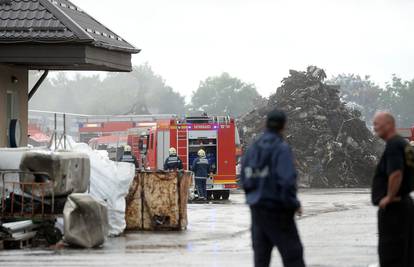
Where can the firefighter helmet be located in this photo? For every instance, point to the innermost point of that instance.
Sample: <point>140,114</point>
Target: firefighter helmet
<point>127,148</point>
<point>201,153</point>
<point>172,151</point>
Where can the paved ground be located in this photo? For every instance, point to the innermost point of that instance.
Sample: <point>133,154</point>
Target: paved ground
<point>338,229</point>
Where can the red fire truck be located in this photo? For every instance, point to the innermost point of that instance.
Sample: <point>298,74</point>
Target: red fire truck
<point>407,133</point>
<point>150,139</point>
<point>217,136</point>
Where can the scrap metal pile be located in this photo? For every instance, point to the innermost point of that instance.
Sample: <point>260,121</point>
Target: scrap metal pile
<point>332,145</point>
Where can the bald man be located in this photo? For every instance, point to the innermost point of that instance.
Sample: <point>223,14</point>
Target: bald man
<point>392,185</point>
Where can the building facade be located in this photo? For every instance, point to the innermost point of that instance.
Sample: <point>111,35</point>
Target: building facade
<point>13,101</point>
<point>48,36</point>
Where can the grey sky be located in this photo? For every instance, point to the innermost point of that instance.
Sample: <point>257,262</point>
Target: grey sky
<point>259,41</point>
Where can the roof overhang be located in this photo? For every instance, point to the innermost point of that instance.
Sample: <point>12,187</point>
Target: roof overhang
<point>65,56</point>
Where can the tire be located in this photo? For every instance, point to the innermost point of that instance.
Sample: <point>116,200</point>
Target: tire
<point>225,194</point>
<point>52,235</point>
<point>217,195</point>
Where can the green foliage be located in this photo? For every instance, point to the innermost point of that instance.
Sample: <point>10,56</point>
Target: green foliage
<point>397,96</point>
<point>399,99</point>
<point>224,95</point>
<point>360,91</point>
<point>143,91</point>
<point>139,92</point>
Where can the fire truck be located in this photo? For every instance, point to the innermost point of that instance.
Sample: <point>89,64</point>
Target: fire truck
<point>407,133</point>
<point>217,136</point>
<point>151,137</point>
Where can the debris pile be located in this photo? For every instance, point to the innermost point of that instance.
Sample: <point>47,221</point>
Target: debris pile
<point>332,145</point>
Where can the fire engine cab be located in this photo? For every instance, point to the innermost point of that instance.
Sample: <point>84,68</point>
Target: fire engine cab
<point>217,136</point>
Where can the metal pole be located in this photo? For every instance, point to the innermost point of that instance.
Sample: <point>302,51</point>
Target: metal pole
<point>64,131</point>
<point>55,131</point>
<point>38,83</point>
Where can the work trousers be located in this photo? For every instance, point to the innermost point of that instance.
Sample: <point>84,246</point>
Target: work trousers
<point>396,234</point>
<point>272,228</point>
<point>201,186</point>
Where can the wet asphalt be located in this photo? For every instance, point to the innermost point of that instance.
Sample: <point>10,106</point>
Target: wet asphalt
<point>338,228</point>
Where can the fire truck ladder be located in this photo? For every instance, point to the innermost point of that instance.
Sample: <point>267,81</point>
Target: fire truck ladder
<point>182,145</point>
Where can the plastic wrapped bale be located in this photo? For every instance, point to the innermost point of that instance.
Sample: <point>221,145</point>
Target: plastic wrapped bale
<point>158,201</point>
<point>85,221</point>
<point>10,160</point>
<point>109,181</point>
<point>70,172</point>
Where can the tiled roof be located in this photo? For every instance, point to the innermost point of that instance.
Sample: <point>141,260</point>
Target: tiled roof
<point>54,21</point>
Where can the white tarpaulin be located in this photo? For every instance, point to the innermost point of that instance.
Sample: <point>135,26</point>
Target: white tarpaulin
<point>109,181</point>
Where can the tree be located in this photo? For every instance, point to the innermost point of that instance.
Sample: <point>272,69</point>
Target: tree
<point>360,93</point>
<point>224,95</point>
<point>399,98</point>
<point>139,92</point>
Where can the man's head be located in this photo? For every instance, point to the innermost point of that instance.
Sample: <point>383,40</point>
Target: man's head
<point>276,120</point>
<point>384,125</point>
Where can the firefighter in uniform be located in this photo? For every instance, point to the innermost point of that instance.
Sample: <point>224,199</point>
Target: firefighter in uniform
<point>268,176</point>
<point>128,156</point>
<point>201,168</point>
<point>173,162</point>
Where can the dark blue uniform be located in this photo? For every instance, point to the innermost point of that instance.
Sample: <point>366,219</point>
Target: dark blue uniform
<point>201,168</point>
<point>128,157</point>
<point>173,162</point>
<point>269,178</point>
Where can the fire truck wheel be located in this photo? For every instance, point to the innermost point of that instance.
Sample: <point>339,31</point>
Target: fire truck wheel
<point>209,195</point>
<point>225,194</point>
<point>217,195</point>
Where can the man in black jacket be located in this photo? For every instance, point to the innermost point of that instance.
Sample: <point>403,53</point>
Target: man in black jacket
<point>268,176</point>
<point>393,182</point>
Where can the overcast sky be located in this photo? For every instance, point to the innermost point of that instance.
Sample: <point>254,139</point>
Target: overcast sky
<point>258,41</point>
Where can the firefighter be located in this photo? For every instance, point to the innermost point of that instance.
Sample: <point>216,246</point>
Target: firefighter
<point>128,156</point>
<point>201,168</point>
<point>268,177</point>
<point>173,162</point>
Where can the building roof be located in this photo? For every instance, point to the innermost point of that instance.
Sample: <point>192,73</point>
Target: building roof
<point>55,21</point>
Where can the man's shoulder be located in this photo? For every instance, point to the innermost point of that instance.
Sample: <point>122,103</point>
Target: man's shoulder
<point>395,143</point>
<point>284,145</point>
